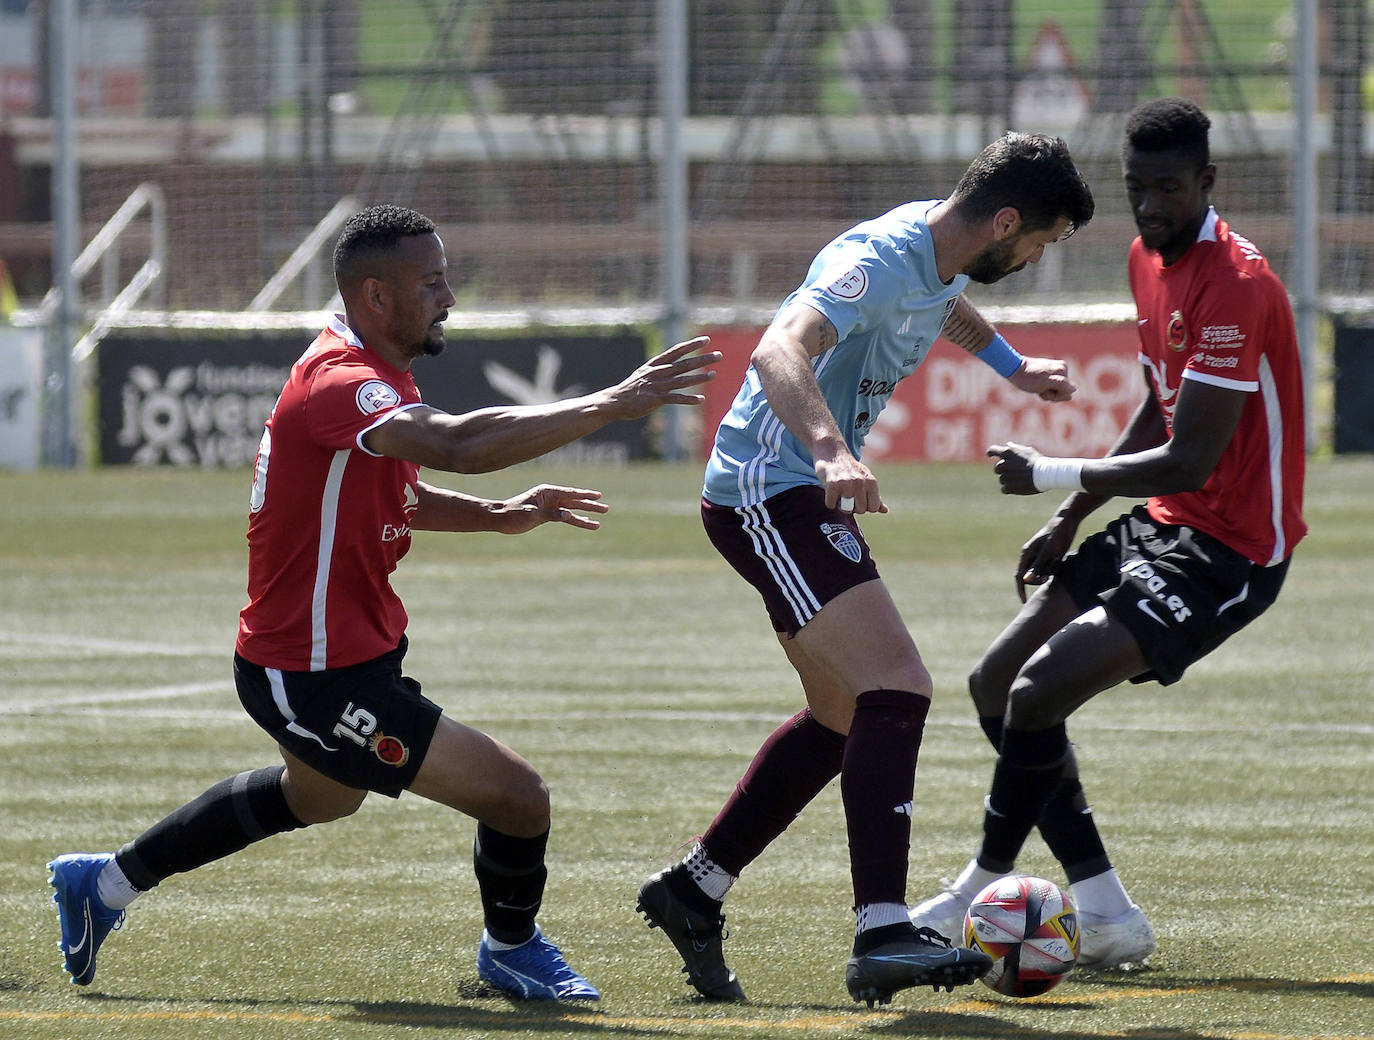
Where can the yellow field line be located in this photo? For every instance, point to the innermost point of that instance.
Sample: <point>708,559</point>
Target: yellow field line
<point>164,1016</point>
<point>810,1023</point>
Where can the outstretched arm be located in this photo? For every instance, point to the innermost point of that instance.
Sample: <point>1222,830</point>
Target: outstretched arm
<point>442,509</point>
<point>1205,418</point>
<point>493,438</point>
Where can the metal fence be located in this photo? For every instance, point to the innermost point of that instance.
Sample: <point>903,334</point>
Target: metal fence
<point>530,129</point>
<point>599,156</point>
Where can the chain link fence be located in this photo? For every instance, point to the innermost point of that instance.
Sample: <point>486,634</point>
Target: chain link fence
<point>530,132</point>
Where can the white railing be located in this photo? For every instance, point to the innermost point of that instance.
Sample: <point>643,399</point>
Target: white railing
<point>123,303</point>
<point>304,254</point>
<point>104,249</point>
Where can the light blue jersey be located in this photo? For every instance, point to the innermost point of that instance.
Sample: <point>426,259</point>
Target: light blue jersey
<point>878,285</point>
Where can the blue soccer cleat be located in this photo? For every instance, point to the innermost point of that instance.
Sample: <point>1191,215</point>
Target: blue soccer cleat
<point>84,918</point>
<point>533,971</point>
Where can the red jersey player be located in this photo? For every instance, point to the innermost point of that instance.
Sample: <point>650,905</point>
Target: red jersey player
<point>1217,448</point>
<point>347,508</point>
<point>336,494</point>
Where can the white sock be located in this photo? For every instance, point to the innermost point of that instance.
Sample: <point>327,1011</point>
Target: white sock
<point>973,879</point>
<point>876,915</point>
<point>1101,895</point>
<point>114,888</point>
<point>497,946</point>
<point>710,877</point>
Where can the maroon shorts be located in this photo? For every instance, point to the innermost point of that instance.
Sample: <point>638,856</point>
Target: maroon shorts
<point>796,552</point>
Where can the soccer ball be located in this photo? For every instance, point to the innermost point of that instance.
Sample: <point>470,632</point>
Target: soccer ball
<point>1029,927</point>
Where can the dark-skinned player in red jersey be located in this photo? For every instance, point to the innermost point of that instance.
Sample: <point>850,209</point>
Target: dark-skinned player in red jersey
<point>336,494</point>
<point>1217,449</point>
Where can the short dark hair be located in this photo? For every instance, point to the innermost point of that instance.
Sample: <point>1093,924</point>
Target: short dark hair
<point>372,235</point>
<point>1032,173</point>
<point>1171,124</point>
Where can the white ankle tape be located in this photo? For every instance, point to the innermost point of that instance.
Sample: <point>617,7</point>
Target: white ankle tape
<point>709,876</point>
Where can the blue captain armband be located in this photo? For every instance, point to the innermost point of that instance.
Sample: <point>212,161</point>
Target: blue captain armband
<point>1001,356</point>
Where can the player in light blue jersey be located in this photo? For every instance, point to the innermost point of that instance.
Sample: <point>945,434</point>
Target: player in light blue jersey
<point>783,485</point>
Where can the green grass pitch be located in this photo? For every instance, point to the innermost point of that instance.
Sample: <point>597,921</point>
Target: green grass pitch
<point>639,675</point>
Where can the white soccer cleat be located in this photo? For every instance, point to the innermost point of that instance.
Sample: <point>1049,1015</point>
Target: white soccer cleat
<point>944,913</point>
<point>1125,942</point>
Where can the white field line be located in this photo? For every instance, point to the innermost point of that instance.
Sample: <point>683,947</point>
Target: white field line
<point>78,703</point>
<point>99,704</point>
<point>81,701</point>
<point>112,646</point>
<point>85,703</point>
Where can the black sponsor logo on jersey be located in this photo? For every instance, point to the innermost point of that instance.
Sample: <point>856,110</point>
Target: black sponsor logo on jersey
<point>876,387</point>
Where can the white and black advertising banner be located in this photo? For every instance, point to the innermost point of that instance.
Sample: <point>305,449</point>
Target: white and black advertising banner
<point>192,400</point>
<point>201,398</point>
<point>1354,412</point>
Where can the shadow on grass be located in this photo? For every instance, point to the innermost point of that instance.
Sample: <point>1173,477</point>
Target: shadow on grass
<point>505,1015</point>
<point>518,1017</point>
<point>996,1024</point>
<point>948,1024</point>
<point>1355,987</point>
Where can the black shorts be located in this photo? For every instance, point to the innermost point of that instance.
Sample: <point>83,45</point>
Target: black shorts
<point>1179,591</point>
<point>366,725</point>
<point>796,552</point>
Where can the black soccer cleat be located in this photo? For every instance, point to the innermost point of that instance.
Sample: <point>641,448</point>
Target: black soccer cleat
<point>902,956</point>
<point>696,936</point>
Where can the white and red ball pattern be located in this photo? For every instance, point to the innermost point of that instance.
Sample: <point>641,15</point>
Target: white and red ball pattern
<point>1029,927</point>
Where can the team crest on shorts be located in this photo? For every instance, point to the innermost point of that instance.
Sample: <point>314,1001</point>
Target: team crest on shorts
<point>843,541</point>
<point>389,749</point>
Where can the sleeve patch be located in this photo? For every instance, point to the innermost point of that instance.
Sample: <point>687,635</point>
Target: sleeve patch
<point>845,281</point>
<point>375,396</point>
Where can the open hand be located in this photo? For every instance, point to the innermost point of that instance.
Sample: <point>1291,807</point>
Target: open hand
<point>550,503</point>
<point>662,379</point>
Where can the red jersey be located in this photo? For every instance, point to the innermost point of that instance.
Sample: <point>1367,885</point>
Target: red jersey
<point>328,520</point>
<point>1220,315</point>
